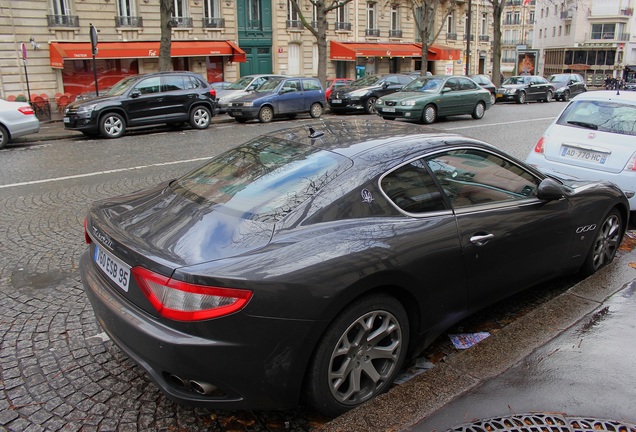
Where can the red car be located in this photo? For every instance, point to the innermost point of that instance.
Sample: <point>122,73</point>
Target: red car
<point>337,82</point>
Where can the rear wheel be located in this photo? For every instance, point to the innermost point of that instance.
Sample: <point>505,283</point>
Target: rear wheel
<point>200,117</point>
<point>429,115</point>
<point>266,114</point>
<point>4,136</point>
<point>548,96</point>
<point>606,242</point>
<point>369,107</point>
<point>493,98</point>
<point>479,110</point>
<point>316,110</point>
<point>521,97</point>
<point>359,355</point>
<point>566,96</point>
<point>112,125</point>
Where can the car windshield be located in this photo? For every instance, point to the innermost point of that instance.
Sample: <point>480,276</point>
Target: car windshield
<point>262,180</point>
<point>559,78</point>
<point>424,84</point>
<point>121,86</point>
<point>365,81</point>
<point>604,116</point>
<point>270,85</point>
<point>240,84</point>
<point>517,80</point>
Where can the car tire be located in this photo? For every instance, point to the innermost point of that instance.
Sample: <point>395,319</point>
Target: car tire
<point>369,367</point>
<point>200,117</point>
<point>493,98</point>
<point>607,239</point>
<point>4,136</point>
<point>266,114</point>
<point>429,114</point>
<point>566,96</point>
<point>112,125</point>
<point>316,110</point>
<point>479,110</point>
<point>521,97</point>
<point>369,106</point>
<point>548,97</point>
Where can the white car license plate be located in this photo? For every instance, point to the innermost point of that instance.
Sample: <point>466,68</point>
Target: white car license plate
<point>336,101</point>
<point>114,268</point>
<point>67,120</point>
<point>391,109</point>
<point>584,154</point>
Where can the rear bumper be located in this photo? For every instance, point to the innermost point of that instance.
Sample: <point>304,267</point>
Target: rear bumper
<point>247,362</point>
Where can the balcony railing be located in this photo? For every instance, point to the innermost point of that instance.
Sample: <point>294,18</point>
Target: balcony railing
<point>484,38</point>
<point>451,36</point>
<point>472,37</point>
<point>129,21</point>
<point>254,24</point>
<point>342,26</point>
<point>512,22</point>
<point>181,22</point>
<point>623,37</point>
<point>213,22</point>
<point>566,14</point>
<point>63,20</point>
<point>314,24</point>
<point>395,33</point>
<point>372,32</point>
<point>294,24</point>
<point>508,60</point>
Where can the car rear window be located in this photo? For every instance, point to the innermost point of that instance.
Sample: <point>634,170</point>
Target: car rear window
<point>604,116</point>
<point>262,180</point>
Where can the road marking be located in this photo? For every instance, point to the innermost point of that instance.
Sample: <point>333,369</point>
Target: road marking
<point>498,124</point>
<point>93,174</point>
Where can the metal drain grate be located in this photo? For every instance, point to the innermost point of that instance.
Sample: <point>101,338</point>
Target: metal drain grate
<point>544,423</point>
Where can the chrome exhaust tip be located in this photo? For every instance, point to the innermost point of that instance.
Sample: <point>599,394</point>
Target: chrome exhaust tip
<point>201,387</point>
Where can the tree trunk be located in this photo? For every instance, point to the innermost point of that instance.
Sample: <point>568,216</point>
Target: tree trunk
<point>166,8</point>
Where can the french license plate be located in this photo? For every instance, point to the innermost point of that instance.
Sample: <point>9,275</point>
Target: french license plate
<point>67,119</point>
<point>584,154</point>
<point>391,109</point>
<point>114,268</point>
<point>336,101</point>
<point>499,95</point>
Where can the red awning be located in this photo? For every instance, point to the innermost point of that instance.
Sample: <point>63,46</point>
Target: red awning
<point>350,50</point>
<point>441,52</point>
<point>60,51</point>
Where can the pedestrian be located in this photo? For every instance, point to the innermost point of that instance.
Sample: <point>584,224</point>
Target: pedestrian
<point>608,81</point>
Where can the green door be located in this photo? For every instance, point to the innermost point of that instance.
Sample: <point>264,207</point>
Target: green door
<point>254,19</point>
<point>259,60</point>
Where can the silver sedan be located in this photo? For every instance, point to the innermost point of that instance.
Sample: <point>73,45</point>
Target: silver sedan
<point>16,119</point>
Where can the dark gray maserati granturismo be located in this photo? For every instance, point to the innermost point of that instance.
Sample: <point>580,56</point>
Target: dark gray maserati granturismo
<point>306,265</point>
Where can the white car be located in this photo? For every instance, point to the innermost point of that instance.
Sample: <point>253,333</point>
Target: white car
<point>594,137</point>
<point>16,119</point>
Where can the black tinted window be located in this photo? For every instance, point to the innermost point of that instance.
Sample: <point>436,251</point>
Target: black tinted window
<point>174,82</point>
<point>412,189</point>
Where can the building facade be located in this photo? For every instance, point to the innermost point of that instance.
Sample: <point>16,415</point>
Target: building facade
<point>517,29</point>
<point>223,40</point>
<point>594,38</point>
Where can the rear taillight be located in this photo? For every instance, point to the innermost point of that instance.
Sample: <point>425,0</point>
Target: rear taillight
<point>87,238</point>
<point>539,147</point>
<point>26,110</point>
<point>183,301</point>
<point>631,164</point>
<point>213,93</point>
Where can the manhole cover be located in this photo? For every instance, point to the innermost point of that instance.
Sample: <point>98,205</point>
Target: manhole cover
<point>545,423</point>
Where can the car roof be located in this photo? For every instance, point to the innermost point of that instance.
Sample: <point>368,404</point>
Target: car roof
<point>609,95</point>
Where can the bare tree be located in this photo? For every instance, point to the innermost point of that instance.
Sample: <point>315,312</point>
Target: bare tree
<point>166,10</point>
<point>425,12</point>
<point>322,8</point>
<point>497,12</point>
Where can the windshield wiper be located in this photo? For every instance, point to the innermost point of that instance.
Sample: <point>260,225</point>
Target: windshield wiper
<point>583,124</point>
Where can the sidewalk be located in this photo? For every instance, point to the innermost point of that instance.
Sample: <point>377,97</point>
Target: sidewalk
<point>573,355</point>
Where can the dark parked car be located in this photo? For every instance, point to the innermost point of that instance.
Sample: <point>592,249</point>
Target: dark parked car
<point>280,96</point>
<point>362,93</point>
<point>630,85</point>
<point>567,85</point>
<point>523,88</point>
<point>484,81</point>
<point>139,100</point>
<point>336,83</point>
<point>425,99</point>
<point>312,262</point>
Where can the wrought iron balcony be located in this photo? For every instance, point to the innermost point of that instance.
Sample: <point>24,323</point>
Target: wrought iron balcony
<point>213,22</point>
<point>342,26</point>
<point>484,38</point>
<point>451,36</point>
<point>372,32</point>
<point>63,20</point>
<point>395,33</point>
<point>181,22</point>
<point>472,37</point>
<point>294,24</point>
<point>129,21</point>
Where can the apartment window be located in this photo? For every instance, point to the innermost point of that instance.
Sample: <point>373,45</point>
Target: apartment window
<point>484,24</point>
<point>395,22</point>
<point>180,9</point>
<point>211,8</point>
<point>603,31</point>
<point>451,23</point>
<point>517,19</point>
<point>126,8</point>
<point>567,29</point>
<point>556,10</point>
<point>371,18</point>
<point>545,33</point>
<point>547,12</point>
<point>531,17</point>
<point>342,19</point>
<point>508,18</point>
<point>292,15</point>
<point>560,30</point>
<point>541,12</point>
<point>253,8</point>
<point>62,14</point>
<point>540,33</point>
<point>127,11</point>
<point>61,7</point>
<point>553,31</point>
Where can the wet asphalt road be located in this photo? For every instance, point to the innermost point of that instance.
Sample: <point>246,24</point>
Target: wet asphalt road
<point>59,371</point>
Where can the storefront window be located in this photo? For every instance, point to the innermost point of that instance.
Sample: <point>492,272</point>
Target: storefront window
<point>214,66</point>
<point>78,76</point>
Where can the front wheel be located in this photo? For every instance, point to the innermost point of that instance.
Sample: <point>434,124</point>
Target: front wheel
<point>4,136</point>
<point>429,115</point>
<point>369,107</point>
<point>200,117</point>
<point>316,110</point>
<point>549,96</point>
<point>359,355</point>
<point>265,115</point>
<point>521,98</point>
<point>607,239</point>
<point>479,110</point>
<point>112,125</point>
<point>493,98</point>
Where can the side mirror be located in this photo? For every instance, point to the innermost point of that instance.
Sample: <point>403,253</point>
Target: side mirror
<point>550,190</point>
<point>446,90</point>
<point>385,85</point>
<point>135,93</point>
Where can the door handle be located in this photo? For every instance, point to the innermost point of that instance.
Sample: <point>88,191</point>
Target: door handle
<point>481,239</point>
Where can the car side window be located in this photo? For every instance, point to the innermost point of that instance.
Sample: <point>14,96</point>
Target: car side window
<point>466,84</point>
<point>453,84</point>
<point>174,83</point>
<point>291,85</point>
<point>472,177</point>
<point>149,85</point>
<point>412,189</point>
<point>311,84</point>
<point>192,83</point>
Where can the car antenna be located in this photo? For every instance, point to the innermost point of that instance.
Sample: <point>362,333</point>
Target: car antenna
<point>313,134</point>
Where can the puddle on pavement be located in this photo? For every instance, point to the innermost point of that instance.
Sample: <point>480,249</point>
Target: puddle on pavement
<point>24,279</point>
